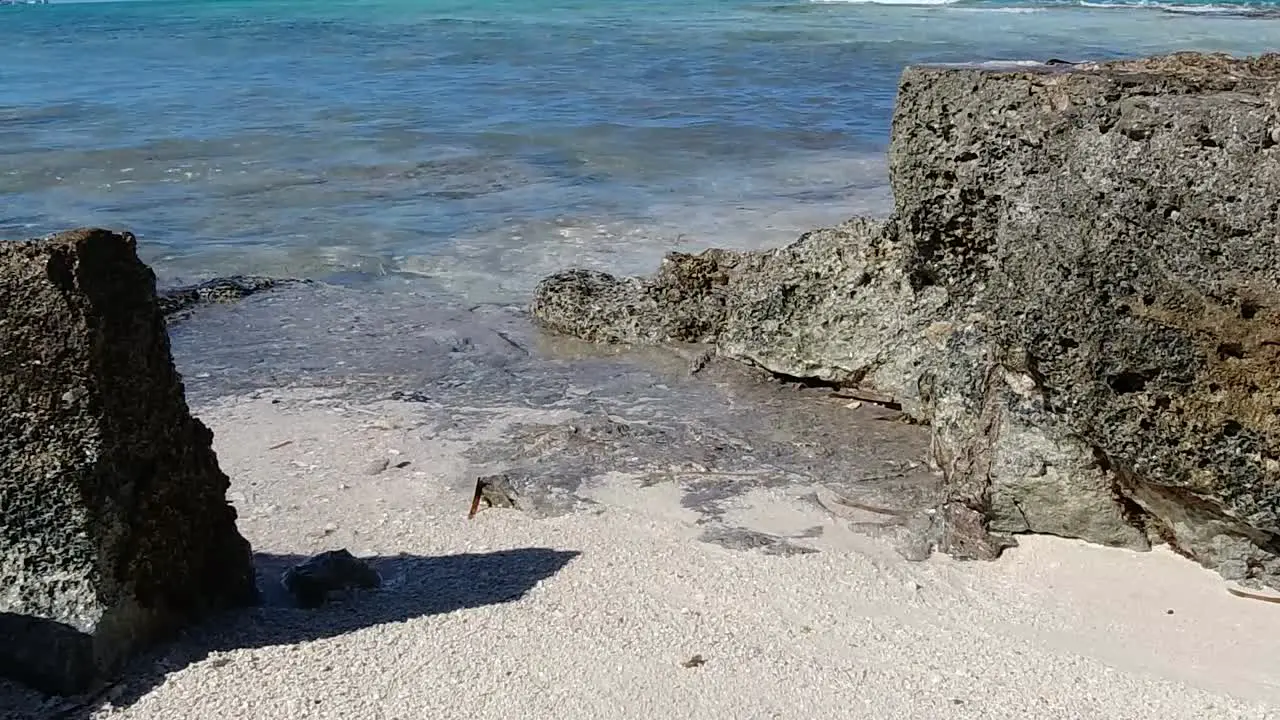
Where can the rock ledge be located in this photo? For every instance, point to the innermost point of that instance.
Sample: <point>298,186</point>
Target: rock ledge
<point>1079,290</point>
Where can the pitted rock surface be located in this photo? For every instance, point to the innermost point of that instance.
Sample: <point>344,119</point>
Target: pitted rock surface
<point>1078,290</point>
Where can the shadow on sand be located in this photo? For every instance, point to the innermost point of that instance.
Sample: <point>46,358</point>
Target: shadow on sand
<point>412,587</point>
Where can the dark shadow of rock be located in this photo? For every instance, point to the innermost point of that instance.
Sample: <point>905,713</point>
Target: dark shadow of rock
<point>412,587</point>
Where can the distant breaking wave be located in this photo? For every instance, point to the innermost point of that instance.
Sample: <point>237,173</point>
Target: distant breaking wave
<point>917,3</point>
<point>1241,9</point>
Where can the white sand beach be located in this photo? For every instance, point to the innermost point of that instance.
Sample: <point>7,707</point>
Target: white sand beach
<point>619,611</point>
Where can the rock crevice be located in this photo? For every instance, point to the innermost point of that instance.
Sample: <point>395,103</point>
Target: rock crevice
<point>1078,290</point>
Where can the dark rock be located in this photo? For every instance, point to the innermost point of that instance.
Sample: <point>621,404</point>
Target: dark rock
<point>1111,230</point>
<point>177,303</point>
<point>1078,290</point>
<point>311,581</point>
<point>695,661</point>
<point>114,523</point>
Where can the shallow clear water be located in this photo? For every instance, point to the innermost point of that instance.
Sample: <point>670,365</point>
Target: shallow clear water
<point>487,143</point>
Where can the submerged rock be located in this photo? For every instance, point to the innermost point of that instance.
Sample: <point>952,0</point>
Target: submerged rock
<point>1079,290</point>
<point>115,530</point>
<point>177,303</point>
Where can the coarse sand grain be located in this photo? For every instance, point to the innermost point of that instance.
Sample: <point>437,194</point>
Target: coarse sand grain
<point>620,611</point>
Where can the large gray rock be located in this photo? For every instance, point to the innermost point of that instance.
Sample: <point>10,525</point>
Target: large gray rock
<point>114,526</point>
<point>1079,290</point>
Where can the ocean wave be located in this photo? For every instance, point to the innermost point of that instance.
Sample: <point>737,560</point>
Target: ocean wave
<point>917,3</point>
<point>1004,10</point>
<point>1240,9</point>
<point>1249,8</point>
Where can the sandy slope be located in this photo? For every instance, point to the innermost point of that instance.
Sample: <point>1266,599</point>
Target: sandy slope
<point>620,598</point>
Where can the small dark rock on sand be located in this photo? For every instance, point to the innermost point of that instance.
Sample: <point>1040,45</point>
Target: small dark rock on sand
<point>311,581</point>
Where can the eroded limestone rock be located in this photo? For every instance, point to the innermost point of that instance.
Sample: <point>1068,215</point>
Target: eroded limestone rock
<point>114,526</point>
<point>1079,290</point>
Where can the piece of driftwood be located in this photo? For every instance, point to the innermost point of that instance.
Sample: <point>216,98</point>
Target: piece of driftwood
<point>493,491</point>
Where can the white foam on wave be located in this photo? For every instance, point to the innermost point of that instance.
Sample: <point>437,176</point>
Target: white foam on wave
<point>743,209</point>
<point>922,3</point>
<point>991,64</point>
<point>1000,10</point>
<point>1242,9</point>
<point>1036,6</point>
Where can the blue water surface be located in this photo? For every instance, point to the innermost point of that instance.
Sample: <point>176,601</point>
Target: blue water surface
<point>487,142</point>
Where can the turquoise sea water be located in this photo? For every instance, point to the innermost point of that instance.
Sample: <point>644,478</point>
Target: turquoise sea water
<point>488,142</point>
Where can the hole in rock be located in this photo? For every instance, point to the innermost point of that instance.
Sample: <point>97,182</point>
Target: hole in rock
<point>1127,382</point>
<point>1230,350</point>
<point>807,382</point>
<point>1136,133</point>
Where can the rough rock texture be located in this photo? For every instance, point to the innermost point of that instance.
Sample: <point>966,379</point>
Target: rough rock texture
<point>177,303</point>
<point>114,526</point>
<point>1079,290</point>
<point>310,582</point>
